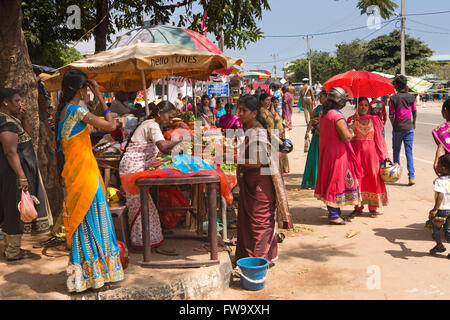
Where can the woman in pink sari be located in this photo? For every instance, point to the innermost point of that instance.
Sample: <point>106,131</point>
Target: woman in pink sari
<point>370,149</point>
<point>441,135</point>
<point>229,120</point>
<point>339,170</point>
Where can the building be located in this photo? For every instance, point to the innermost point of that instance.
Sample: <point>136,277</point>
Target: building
<point>442,60</point>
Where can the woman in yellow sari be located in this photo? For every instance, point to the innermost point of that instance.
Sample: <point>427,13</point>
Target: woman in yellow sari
<point>94,253</point>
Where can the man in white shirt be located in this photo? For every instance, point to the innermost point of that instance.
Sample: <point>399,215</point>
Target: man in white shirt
<point>213,102</point>
<point>179,101</point>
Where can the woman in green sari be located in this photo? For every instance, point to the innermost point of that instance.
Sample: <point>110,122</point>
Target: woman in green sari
<point>312,161</point>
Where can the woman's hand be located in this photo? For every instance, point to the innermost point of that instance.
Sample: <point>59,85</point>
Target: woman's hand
<point>93,85</point>
<point>23,111</point>
<point>23,184</point>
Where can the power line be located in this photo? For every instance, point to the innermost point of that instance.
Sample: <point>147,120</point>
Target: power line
<point>377,30</point>
<point>427,13</point>
<point>428,25</point>
<point>426,31</point>
<point>326,33</point>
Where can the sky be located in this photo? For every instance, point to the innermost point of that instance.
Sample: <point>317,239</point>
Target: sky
<point>300,17</point>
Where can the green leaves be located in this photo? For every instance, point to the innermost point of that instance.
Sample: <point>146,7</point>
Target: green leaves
<point>383,55</point>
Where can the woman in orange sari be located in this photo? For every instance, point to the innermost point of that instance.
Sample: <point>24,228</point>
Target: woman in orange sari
<point>94,254</point>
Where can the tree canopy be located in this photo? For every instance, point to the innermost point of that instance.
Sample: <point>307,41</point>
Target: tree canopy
<point>381,54</point>
<point>44,21</point>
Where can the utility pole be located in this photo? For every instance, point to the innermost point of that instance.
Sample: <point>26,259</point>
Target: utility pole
<point>309,57</point>
<point>402,41</point>
<point>275,64</point>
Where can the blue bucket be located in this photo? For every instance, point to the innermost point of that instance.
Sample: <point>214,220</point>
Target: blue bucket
<point>253,273</point>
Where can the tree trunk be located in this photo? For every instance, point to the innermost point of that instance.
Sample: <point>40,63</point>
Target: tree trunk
<point>15,62</point>
<point>17,73</point>
<point>101,31</point>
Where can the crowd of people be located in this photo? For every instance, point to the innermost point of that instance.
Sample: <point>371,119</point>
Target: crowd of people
<point>342,166</point>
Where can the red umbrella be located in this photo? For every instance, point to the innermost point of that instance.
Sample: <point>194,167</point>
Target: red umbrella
<point>361,84</point>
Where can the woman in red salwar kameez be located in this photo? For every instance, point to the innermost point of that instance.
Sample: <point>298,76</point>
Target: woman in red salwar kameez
<point>370,149</point>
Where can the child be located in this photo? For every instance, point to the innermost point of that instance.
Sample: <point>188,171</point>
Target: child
<point>439,215</point>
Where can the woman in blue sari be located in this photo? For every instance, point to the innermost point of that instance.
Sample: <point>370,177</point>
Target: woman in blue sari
<point>94,254</point>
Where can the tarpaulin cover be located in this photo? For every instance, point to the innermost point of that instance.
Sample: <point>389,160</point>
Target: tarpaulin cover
<point>129,180</point>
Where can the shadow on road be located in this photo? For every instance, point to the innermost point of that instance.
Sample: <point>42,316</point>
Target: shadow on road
<point>413,232</point>
<point>39,283</point>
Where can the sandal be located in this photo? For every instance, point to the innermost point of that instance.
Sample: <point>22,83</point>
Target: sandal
<point>280,237</point>
<point>24,254</point>
<point>374,214</point>
<point>51,242</point>
<point>352,215</point>
<point>337,223</point>
<point>437,249</point>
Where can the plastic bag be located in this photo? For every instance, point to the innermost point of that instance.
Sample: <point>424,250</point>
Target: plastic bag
<point>26,207</point>
<point>169,197</point>
<point>307,143</point>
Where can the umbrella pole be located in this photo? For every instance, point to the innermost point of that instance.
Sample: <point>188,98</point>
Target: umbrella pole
<point>194,100</point>
<point>144,85</point>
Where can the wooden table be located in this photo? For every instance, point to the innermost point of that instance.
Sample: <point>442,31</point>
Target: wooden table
<point>212,184</point>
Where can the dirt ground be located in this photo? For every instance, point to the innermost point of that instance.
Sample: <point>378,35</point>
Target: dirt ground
<point>387,259</point>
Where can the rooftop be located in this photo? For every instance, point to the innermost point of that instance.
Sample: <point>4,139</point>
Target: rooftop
<point>440,57</point>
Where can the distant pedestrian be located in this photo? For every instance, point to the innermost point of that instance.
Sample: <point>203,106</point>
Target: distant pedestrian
<point>275,92</point>
<point>287,106</point>
<point>378,108</point>
<point>307,98</point>
<point>213,101</point>
<point>403,113</point>
<point>179,101</point>
<point>439,216</point>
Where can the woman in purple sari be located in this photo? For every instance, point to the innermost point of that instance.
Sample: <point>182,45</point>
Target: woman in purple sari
<point>229,120</point>
<point>442,134</point>
<point>287,107</point>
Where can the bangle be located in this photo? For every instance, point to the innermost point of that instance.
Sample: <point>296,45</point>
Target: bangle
<point>106,111</point>
<point>23,179</point>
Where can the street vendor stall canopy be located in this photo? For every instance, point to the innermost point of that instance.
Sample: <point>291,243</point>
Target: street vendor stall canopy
<point>125,68</point>
<point>170,35</point>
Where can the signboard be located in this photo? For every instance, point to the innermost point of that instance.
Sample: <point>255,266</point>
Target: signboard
<point>220,88</point>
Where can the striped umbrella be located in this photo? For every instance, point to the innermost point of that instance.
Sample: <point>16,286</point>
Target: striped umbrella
<point>170,35</point>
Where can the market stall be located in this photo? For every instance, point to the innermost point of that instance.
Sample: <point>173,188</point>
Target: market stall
<point>132,68</point>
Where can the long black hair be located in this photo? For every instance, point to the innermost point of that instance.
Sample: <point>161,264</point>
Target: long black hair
<point>253,104</point>
<point>329,105</point>
<point>163,106</point>
<point>445,106</point>
<point>73,80</point>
